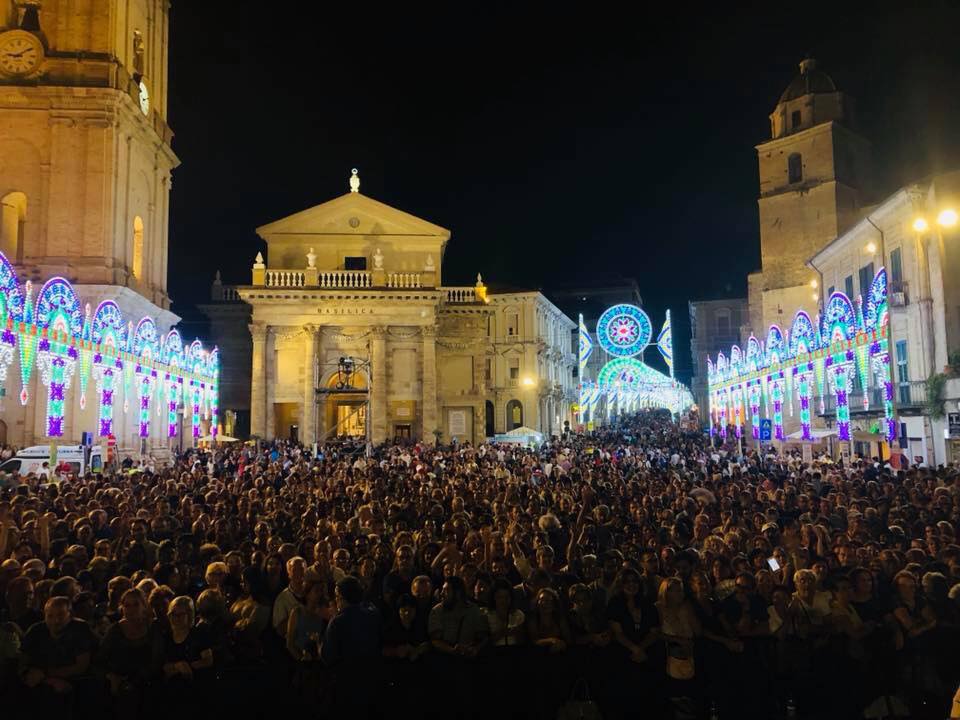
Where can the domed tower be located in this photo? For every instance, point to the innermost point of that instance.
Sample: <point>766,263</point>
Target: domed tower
<point>812,176</point>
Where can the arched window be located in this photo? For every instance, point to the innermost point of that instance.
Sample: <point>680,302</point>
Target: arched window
<point>13,212</point>
<point>138,248</point>
<point>795,168</point>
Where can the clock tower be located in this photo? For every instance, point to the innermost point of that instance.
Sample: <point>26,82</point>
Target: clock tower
<point>85,149</point>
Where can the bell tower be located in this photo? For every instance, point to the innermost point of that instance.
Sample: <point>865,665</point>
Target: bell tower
<point>812,172</point>
<point>85,149</point>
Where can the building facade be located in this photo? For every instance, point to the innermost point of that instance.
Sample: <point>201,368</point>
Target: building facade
<point>715,325</point>
<point>813,173</point>
<point>530,371</point>
<point>85,164</point>
<point>922,260</point>
<point>353,333</point>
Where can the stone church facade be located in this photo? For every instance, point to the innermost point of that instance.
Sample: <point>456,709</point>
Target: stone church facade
<point>355,279</point>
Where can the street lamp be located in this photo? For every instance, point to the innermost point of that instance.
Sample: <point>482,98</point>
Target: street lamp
<point>946,218</point>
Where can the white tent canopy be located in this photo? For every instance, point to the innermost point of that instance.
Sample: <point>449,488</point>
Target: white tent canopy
<point>816,434</point>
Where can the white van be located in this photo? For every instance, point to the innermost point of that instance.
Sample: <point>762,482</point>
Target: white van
<point>36,460</point>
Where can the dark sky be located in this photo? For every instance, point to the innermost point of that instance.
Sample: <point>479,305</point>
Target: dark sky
<point>557,142</point>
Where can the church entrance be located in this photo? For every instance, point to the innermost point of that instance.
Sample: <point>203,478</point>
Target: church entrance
<point>345,413</point>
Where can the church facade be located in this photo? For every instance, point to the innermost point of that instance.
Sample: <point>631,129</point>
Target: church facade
<point>353,333</point>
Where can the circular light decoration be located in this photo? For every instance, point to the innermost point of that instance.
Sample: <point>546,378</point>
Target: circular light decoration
<point>624,330</point>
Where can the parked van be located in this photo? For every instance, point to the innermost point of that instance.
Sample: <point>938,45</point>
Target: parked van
<point>76,459</point>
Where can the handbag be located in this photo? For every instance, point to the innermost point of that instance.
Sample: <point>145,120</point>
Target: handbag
<point>579,706</point>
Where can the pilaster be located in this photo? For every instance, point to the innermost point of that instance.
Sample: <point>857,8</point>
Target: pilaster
<point>258,383</point>
<point>429,383</point>
<point>270,382</point>
<point>309,423</point>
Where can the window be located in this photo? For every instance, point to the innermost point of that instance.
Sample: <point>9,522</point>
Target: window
<point>795,119</point>
<point>866,277</point>
<point>794,168</point>
<point>723,323</point>
<point>896,270</point>
<point>903,374</point>
<point>354,263</point>
<point>138,248</point>
<point>831,290</point>
<point>488,371</point>
<point>13,212</point>
<point>513,324</point>
<point>515,368</point>
<point>848,286</point>
<point>138,55</point>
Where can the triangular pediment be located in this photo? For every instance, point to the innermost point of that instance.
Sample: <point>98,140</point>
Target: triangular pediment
<point>352,214</point>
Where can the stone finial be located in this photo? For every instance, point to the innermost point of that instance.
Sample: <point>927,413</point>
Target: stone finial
<point>354,181</point>
<point>217,280</point>
<point>378,260</point>
<point>258,263</point>
<point>429,265</point>
<point>311,259</point>
<point>480,289</point>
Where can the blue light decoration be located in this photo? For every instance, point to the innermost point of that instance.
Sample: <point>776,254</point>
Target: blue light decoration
<point>213,372</point>
<point>172,356</point>
<point>109,335</point>
<point>820,357</point>
<point>585,349</point>
<point>60,322</point>
<point>146,346</point>
<point>11,316</point>
<point>665,343</point>
<point>649,387</point>
<point>57,335</point>
<point>624,330</point>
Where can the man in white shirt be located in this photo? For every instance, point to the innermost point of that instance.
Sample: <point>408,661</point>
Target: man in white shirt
<point>291,596</point>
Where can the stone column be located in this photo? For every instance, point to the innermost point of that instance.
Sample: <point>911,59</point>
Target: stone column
<point>309,429</point>
<point>378,385</point>
<point>258,382</point>
<point>430,422</point>
<point>270,383</point>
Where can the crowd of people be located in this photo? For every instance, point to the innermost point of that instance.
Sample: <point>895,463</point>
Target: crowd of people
<point>640,570</point>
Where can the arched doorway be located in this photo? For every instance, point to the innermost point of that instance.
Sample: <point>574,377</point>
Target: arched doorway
<point>514,414</point>
<point>489,424</point>
<point>345,413</point>
<point>3,432</point>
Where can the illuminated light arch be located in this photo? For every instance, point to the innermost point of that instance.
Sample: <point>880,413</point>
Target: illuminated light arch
<point>624,330</point>
<point>58,312</point>
<point>11,294</point>
<point>876,311</point>
<point>803,335</point>
<point>754,354</point>
<point>11,311</point>
<point>109,328</point>
<point>58,308</point>
<point>146,342</point>
<point>776,346</point>
<point>736,360</point>
<point>839,320</point>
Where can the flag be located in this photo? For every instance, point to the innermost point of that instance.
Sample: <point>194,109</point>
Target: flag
<point>586,347</point>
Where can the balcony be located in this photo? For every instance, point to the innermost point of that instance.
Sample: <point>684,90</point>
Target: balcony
<point>328,280</point>
<point>908,397</point>
<point>899,295</point>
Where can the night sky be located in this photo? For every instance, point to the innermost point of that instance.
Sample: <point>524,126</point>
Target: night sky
<point>557,143</point>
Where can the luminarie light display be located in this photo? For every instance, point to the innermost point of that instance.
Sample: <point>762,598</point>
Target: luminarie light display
<point>57,337</point>
<point>810,361</point>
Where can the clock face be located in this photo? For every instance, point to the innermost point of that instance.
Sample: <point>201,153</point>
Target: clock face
<point>20,53</point>
<point>144,98</point>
